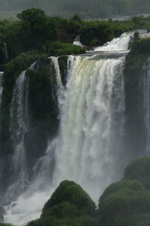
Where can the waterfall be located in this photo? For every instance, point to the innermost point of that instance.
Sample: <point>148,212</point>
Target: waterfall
<point>18,127</point>
<point>77,41</point>
<point>117,44</point>
<point>89,146</point>
<point>92,119</point>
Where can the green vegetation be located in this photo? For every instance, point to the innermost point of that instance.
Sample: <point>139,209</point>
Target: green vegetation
<point>97,33</point>
<point>123,207</point>
<point>115,187</point>
<point>52,35</point>
<point>69,205</point>
<point>59,49</point>
<point>127,202</point>
<point>2,224</point>
<point>69,191</point>
<point>138,169</point>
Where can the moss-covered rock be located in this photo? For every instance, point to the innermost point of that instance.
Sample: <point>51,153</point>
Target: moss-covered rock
<point>135,134</point>
<point>69,205</point>
<point>127,202</point>
<point>62,210</point>
<point>138,169</point>
<point>51,221</point>
<point>69,191</point>
<point>123,206</point>
<point>117,186</point>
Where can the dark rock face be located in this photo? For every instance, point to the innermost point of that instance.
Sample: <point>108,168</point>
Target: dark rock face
<point>2,213</point>
<point>35,143</point>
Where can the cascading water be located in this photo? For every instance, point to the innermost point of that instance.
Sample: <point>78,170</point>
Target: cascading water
<point>89,145</point>
<point>18,127</point>
<point>117,44</point>
<point>77,41</point>
<point>92,121</point>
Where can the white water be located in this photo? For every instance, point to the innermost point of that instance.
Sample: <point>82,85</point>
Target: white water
<point>19,125</point>
<point>19,122</point>
<point>88,148</point>
<point>77,41</point>
<point>145,35</point>
<point>117,44</point>
<point>26,208</point>
<point>92,124</point>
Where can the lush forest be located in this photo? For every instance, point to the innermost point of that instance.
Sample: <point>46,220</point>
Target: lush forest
<point>86,9</point>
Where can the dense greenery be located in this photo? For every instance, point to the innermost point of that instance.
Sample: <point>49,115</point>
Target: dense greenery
<point>2,224</point>
<point>36,30</point>
<point>59,49</point>
<point>52,35</point>
<point>127,202</point>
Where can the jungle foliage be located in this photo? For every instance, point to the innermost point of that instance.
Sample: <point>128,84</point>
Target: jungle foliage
<point>52,35</point>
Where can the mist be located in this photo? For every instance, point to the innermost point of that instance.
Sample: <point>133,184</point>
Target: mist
<point>86,9</point>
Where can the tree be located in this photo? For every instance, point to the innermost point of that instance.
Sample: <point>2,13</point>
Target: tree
<point>37,28</point>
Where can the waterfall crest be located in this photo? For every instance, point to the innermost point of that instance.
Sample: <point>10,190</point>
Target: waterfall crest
<point>117,44</point>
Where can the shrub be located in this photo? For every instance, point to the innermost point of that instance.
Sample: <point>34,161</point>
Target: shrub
<point>59,49</point>
<point>138,169</point>
<point>123,206</point>
<point>62,210</point>
<point>69,191</point>
<point>117,186</point>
